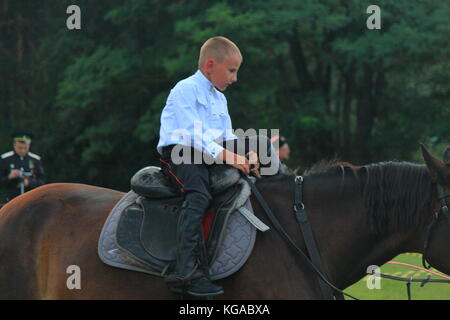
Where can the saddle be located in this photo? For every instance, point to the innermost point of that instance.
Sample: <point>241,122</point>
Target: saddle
<point>140,232</point>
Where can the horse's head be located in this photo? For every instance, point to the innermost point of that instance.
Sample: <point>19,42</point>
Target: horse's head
<point>438,252</point>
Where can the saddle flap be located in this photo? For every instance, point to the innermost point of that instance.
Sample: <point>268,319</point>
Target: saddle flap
<point>159,229</point>
<point>128,240</point>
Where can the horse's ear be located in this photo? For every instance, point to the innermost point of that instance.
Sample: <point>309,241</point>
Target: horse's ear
<point>447,156</point>
<point>439,172</point>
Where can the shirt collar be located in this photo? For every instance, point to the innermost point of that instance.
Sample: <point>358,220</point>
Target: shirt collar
<point>203,81</point>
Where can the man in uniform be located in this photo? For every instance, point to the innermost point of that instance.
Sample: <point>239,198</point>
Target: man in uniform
<point>20,170</point>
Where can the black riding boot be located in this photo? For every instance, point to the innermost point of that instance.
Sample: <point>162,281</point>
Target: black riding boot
<point>188,276</point>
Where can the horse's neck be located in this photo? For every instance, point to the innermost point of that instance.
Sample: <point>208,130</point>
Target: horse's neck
<point>347,245</point>
<point>340,228</point>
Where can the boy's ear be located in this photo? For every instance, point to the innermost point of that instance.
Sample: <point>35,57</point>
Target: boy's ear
<point>209,63</point>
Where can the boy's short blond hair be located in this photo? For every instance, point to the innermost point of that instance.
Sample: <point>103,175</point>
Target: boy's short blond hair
<point>217,48</point>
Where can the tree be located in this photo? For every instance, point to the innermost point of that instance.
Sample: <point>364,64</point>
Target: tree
<point>311,69</point>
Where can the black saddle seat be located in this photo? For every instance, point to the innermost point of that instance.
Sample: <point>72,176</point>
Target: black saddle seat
<point>150,181</point>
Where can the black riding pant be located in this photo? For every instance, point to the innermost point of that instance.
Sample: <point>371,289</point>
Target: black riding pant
<point>192,178</point>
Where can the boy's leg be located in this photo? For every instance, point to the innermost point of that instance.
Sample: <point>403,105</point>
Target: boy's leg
<point>194,181</point>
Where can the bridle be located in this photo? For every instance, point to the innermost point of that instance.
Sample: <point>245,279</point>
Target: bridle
<point>443,211</point>
<point>313,262</point>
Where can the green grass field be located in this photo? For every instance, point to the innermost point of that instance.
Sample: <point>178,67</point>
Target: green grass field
<point>396,290</point>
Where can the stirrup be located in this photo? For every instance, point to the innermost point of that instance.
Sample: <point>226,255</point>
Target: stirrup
<point>178,280</point>
<point>211,289</point>
<point>186,289</point>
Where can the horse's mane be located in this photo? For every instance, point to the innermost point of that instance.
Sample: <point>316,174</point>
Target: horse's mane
<point>397,195</point>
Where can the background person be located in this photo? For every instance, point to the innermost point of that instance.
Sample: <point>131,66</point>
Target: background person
<point>282,148</point>
<point>20,170</point>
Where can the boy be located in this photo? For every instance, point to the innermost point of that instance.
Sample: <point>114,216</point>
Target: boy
<point>195,102</point>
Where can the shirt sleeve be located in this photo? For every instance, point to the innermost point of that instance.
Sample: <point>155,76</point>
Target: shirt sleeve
<point>229,132</point>
<point>190,131</point>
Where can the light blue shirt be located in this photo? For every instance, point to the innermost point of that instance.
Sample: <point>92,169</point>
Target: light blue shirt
<point>196,115</point>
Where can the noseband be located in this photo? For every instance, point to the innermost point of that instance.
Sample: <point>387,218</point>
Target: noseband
<point>442,198</point>
<point>443,210</point>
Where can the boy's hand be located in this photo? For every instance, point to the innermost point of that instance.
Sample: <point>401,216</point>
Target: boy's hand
<point>236,161</point>
<point>253,160</point>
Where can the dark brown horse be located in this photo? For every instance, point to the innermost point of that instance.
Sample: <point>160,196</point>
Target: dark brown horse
<point>360,216</point>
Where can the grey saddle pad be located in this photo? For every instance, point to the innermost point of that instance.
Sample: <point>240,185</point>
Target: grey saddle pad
<point>234,250</point>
